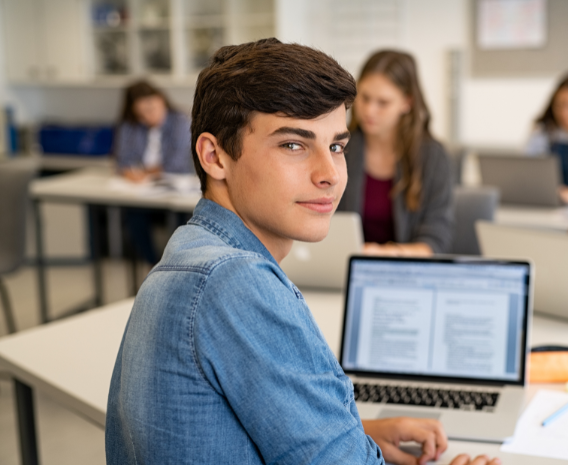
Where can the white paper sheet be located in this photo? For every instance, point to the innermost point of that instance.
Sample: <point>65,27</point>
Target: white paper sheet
<point>142,189</point>
<point>531,438</point>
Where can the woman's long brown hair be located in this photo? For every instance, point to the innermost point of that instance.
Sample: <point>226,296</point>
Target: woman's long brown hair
<point>413,127</point>
<point>135,91</point>
<point>547,119</point>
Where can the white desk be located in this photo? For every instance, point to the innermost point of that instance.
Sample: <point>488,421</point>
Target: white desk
<point>65,162</point>
<point>526,217</point>
<point>93,187</point>
<point>72,361</point>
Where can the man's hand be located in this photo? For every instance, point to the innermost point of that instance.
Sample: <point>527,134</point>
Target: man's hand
<point>390,432</point>
<point>464,459</point>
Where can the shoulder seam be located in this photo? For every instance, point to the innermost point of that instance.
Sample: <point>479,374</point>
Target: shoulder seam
<point>193,312</point>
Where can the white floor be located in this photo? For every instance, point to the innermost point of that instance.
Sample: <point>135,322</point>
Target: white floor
<point>64,437</point>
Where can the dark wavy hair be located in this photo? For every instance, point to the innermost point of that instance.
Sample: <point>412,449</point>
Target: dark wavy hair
<point>266,76</point>
<point>135,91</point>
<point>547,119</point>
<point>400,68</point>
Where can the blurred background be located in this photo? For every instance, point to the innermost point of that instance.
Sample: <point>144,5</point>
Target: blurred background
<point>66,60</point>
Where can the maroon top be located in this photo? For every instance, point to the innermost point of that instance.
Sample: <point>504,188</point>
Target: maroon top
<point>378,223</point>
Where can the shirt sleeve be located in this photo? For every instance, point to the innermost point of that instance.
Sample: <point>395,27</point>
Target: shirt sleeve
<point>436,225</point>
<point>126,146</point>
<point>259,347</point>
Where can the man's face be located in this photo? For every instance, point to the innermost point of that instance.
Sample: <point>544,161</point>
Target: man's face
<point>290,177</point>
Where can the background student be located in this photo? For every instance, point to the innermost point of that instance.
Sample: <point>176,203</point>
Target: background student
<point>399,175</point>
<point>153,139</point>
<point>550,134</point>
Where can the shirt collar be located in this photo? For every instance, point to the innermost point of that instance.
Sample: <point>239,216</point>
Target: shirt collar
<point>228,226</point>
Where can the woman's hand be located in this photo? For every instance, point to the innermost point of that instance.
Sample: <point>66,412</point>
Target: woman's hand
<point>396,249</point>
<point>465,459</point>
<point>136,175</point>
<point>390,432</point>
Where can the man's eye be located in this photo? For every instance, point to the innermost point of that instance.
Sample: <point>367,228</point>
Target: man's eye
<point>291,146</point>
<point>336,148</point>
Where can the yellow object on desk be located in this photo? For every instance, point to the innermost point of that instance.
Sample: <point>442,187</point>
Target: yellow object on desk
<point>548,367</point>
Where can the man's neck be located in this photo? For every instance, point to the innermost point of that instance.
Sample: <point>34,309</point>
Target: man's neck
<point>277,246</point>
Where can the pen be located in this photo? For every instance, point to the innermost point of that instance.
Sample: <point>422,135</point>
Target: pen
<point>555,415</point>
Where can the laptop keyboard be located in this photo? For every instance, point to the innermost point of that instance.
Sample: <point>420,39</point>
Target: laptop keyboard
<point>412,395</point>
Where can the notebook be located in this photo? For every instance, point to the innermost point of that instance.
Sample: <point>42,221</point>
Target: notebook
<point>523,180</point>
<point>442,338</point>
<point>324,264</point>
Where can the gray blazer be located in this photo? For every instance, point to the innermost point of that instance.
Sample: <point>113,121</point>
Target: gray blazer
<point>433,222</point>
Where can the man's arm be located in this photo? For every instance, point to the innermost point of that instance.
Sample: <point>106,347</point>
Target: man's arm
<point>259,347</point>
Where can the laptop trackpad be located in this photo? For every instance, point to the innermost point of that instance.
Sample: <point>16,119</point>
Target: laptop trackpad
<point>390,413</point>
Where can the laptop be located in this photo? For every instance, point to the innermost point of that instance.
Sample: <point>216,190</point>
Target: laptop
<point>442,338</point>
<point>547,250</point>
<point>324,264</point>
<point>523,180</point>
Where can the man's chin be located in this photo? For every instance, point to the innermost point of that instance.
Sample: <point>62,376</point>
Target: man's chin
<point>312,233</point>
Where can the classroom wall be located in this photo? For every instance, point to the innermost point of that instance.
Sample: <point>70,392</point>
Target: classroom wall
<point>500,112</point>
<point>493,112</point>
<point>431,30</point>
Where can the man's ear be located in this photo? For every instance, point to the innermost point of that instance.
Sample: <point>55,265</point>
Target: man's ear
<point>211,156</point>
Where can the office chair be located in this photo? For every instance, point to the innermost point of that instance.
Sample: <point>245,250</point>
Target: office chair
<point>15,176</point>
<point>456,156</point>
<point>470,205</point>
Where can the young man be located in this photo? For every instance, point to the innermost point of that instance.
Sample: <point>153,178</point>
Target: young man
<point>221,361</point>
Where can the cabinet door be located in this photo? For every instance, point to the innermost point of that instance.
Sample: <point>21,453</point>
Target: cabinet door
<point>21,39</point>
<point>64,45</point>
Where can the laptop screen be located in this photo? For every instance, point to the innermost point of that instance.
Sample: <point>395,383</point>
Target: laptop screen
<point>436,318</point>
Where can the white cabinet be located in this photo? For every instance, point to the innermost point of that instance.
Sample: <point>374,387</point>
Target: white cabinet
<point>172,37</point>
<point>45,40</point>
<point>64,47</point>
<point>21,39</point>
<point>66,41</point>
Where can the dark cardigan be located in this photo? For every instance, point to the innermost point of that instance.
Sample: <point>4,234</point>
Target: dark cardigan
<point>432,223</point>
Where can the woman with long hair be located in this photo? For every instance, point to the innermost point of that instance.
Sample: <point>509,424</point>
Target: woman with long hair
<point>399,175</point>
<point>153,140</point>
<point>153,137</point>
<point>550,135</point>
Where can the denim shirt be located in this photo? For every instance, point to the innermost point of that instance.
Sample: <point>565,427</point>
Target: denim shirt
<point>222,362</point>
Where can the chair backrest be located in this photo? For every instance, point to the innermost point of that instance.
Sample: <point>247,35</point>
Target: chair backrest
<point>456,156</point>
<point>15,177</point>
<point>470,205</point>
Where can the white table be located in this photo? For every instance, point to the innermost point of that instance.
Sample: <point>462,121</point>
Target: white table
<point>531,217</point>
<point>93,187</point>
<point>65,162</point>
<point>72,361</point>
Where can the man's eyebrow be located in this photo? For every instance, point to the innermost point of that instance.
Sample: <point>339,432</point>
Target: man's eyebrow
<point>308,134</point>
<point>342,135</point>
<point>297,131</point>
